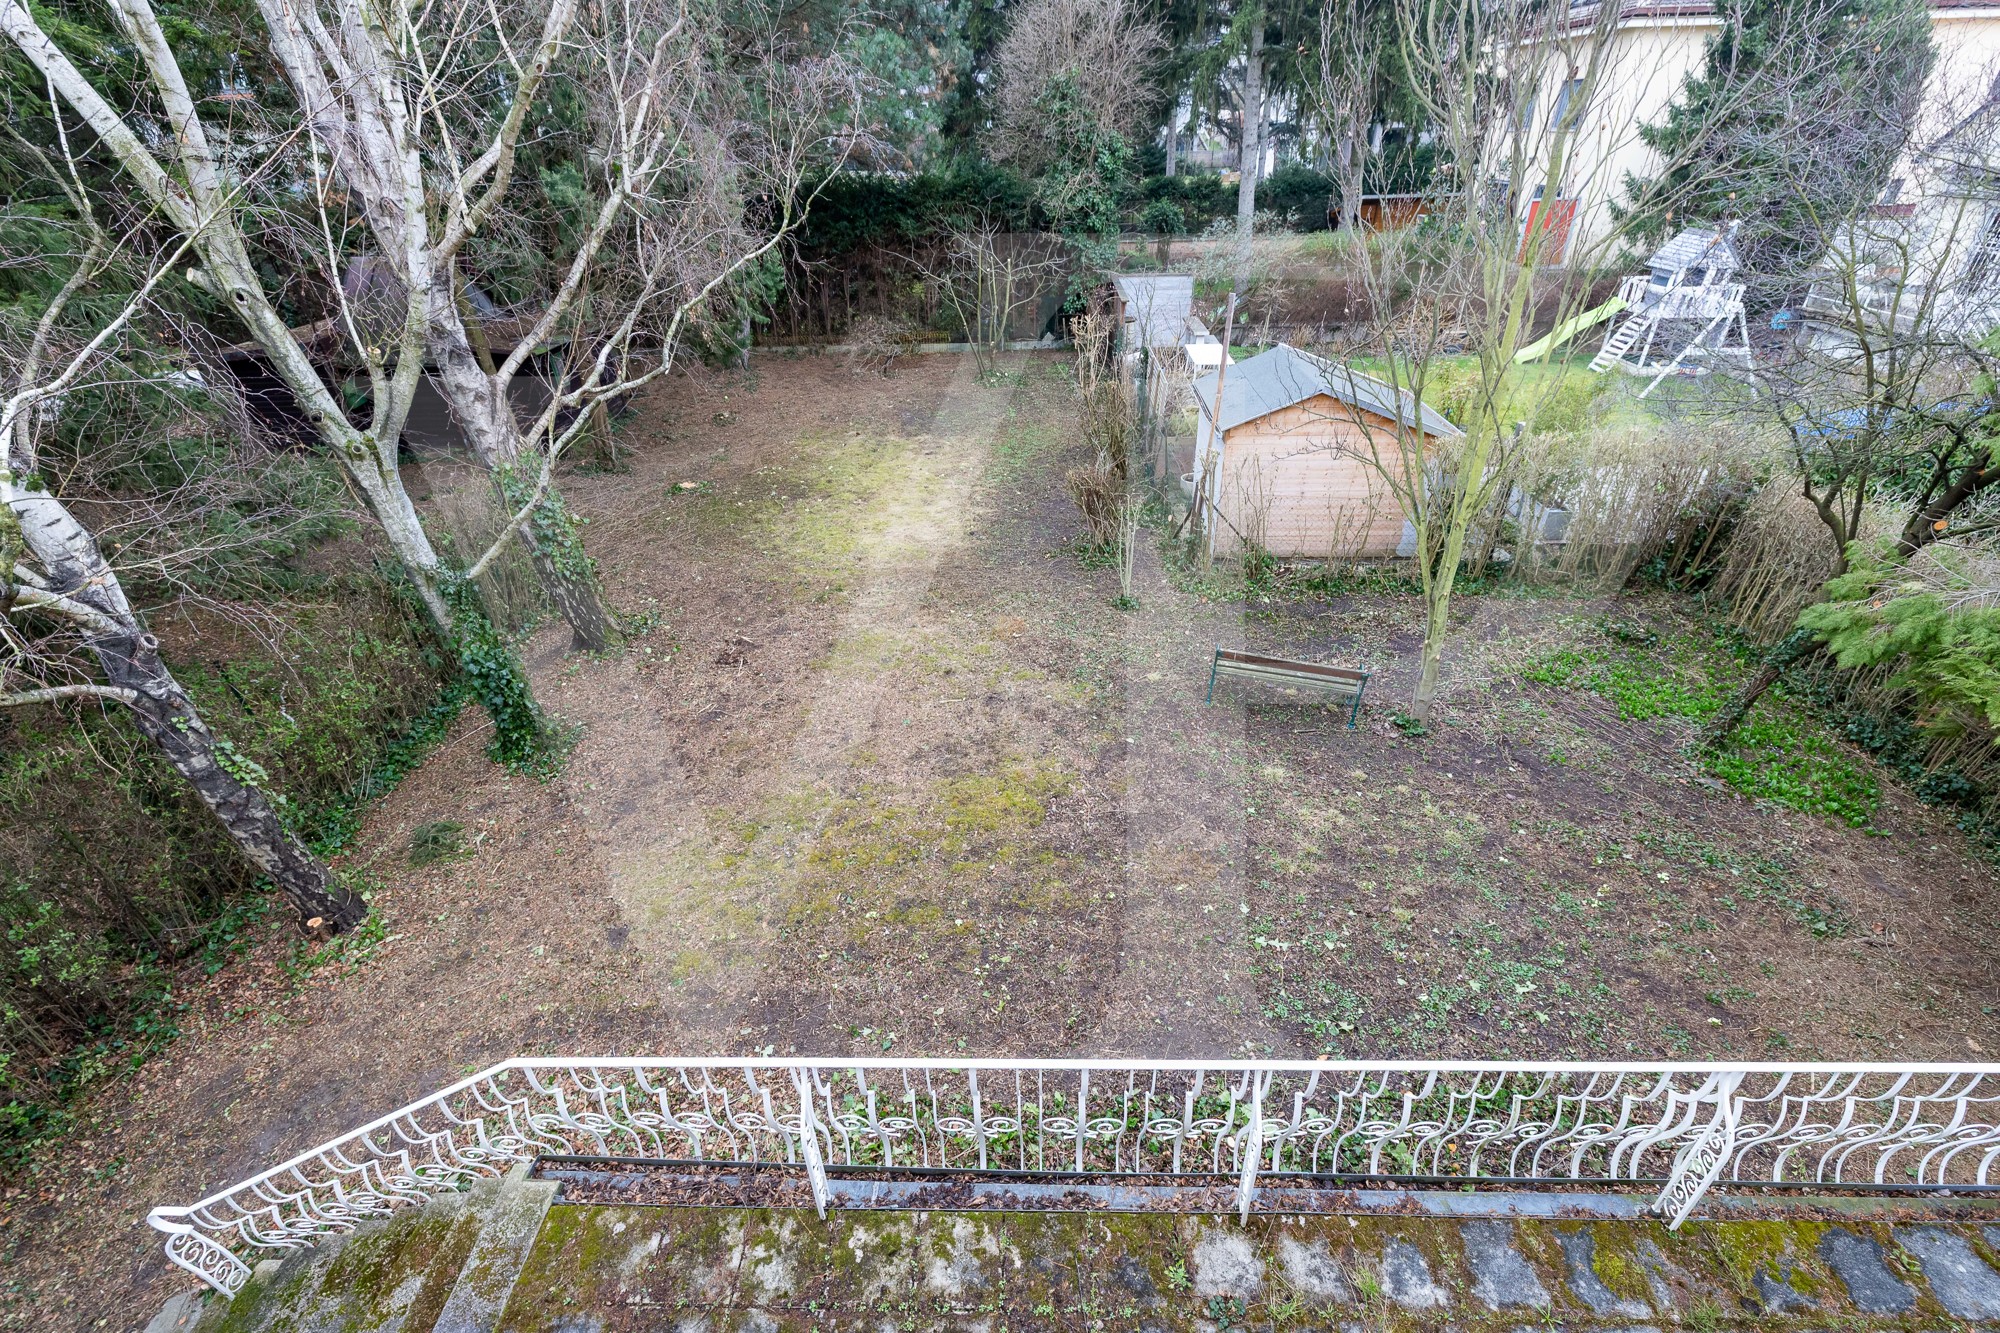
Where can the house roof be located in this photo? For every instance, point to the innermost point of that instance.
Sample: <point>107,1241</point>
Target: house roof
<point>1705,246</point>
<point>1158,304</point>
<point>1285,377</point>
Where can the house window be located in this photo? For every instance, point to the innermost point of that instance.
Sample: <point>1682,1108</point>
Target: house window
<point>1570,89</point>
<point>1982,270</point>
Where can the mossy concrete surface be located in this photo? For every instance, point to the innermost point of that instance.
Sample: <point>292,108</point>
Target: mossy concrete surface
<point>609,1269</point>
<point>446,1267</point>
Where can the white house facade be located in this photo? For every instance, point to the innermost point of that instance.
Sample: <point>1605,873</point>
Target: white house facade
<point>1654,49</point>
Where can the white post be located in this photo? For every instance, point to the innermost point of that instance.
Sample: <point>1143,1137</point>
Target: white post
<point>809,1141</point>
<point>1253,1147</point>
<point>1701,1160</point>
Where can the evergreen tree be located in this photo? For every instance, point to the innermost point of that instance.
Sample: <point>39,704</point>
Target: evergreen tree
<point>1792,125</point>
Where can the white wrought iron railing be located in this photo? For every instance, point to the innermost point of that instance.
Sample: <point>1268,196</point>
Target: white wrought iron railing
<point>1677,1128</point>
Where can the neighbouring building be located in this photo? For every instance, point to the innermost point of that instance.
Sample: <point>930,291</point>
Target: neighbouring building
<point>1301,455</point>
<point>1654,49</point>
<point>1925,261</point>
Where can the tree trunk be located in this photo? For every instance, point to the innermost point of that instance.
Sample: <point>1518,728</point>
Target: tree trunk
<point>1929,523</point>
<point>1173,135</point>
<point>1798,644</point>
<point>572,585</point>
<point>1436,622</point>
<point>130,658</point>
<point>169,719</point>
<point>480,405</point>
<point>1353,164</point>
<point>1249,154</point>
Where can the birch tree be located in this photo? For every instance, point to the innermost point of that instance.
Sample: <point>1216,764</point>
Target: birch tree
<point>62,600</point>
<point>397,103</point>
<point>685,143</point>
<point>178,172</point>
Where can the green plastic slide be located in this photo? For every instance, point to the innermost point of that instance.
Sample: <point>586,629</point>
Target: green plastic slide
<point>1568,329</point>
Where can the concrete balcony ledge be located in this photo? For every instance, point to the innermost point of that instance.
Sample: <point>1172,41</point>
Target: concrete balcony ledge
<point>514,1257</point>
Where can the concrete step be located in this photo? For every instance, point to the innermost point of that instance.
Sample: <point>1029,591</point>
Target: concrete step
<point>613,1266</point>
<point>445,1267</point>
<point>511,1212</point>
<point>389,1275</point>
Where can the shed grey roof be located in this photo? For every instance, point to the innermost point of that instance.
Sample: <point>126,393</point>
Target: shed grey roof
<point>1159,303</point>
<point>1705,247</point>
<point>1285,377</point>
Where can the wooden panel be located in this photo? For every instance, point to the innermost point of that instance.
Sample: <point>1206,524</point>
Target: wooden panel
<point>1341,688</point>
<point>1308,482</point>
<point>1227,657</point>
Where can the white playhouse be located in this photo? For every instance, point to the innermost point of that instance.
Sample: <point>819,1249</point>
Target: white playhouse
<point>1685,313</point>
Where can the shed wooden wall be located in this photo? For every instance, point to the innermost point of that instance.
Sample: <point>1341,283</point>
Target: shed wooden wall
<point>1302,483</point>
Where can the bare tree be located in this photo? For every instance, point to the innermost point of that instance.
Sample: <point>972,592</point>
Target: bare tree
<point>398,104</point>
<point>1344,75</point>
<point>1511,92</point>
<point>61,599</point>
<point>205,201</point>
<point>1107,47</point>
<point>1887,391</point>
<point>986,278</point>
<point>1886,396</point>
<point>676,182</point>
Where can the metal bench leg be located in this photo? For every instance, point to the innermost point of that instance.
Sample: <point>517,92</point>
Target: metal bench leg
<point>1354,713</point>
<point>1211,679</point>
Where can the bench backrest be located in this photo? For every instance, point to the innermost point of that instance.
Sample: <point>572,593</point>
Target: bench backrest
<point>1260,662</point>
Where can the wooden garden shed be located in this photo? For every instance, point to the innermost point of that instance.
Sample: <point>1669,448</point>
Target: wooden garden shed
<point>1297,465</point>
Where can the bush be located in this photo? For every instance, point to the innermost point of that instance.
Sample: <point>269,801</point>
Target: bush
<point>861,210</point>
<point>1202,197</point>
<point>1164,217</point>
<point>112,874</point>
<point>1298,195</point>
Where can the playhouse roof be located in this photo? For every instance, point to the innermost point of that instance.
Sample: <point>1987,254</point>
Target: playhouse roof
<point>1285,377</point>
<point>1704,247</point>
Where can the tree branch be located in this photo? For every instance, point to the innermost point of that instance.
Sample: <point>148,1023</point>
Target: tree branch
<point>58,692</point>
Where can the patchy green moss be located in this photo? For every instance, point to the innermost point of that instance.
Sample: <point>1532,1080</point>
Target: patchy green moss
<point>1616,1259</point>
<point>1781,1251</point>
<point>1013,798</point>
<point>395,1271</point>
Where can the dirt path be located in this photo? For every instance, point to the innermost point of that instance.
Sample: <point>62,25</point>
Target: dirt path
<point>887,773</point>
<point>714,936</point>
<point>1182,988</point>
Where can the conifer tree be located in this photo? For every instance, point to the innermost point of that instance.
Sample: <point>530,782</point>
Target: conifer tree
<point>1795,119</point>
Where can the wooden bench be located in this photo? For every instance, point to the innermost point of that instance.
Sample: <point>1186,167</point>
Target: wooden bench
<point>1341,682</point>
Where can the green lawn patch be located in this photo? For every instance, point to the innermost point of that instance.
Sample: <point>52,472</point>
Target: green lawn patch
<point>1778,754</point>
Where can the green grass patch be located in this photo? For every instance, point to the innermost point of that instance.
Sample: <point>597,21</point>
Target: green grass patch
<point>1778,754</point>
<point>1788,761</point>
<point>1322,1008</point>
<point>1022,448</point>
